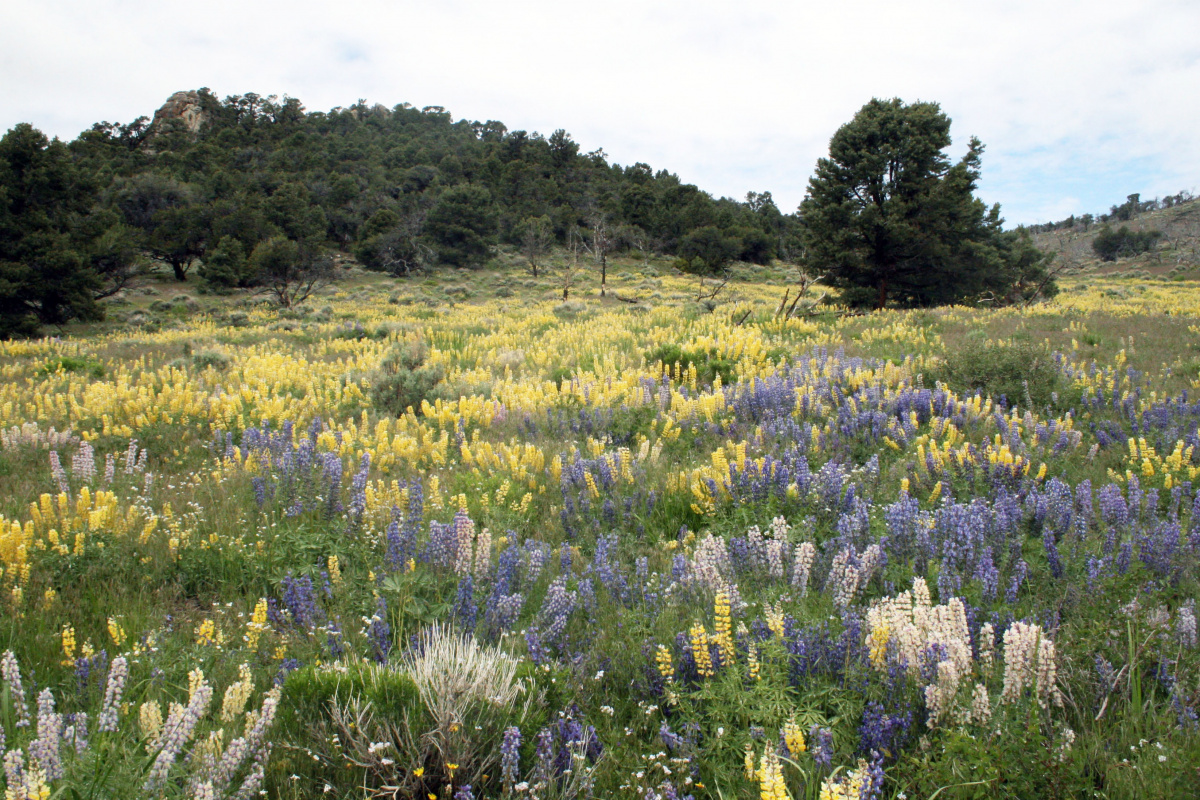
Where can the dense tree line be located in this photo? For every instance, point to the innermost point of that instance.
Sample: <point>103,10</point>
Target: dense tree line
<point>251,191</point>
<point>264,184</point>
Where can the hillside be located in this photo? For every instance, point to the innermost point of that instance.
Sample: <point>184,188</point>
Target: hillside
<point>1176,255</point>
<point>249,167</point>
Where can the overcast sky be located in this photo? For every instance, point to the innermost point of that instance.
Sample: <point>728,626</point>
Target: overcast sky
<point>1078,103</point>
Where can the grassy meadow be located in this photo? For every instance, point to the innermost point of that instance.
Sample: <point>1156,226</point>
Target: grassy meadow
<point>452,537</point>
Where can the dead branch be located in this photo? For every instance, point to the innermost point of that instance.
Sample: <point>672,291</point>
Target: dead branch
<point>713,294</point>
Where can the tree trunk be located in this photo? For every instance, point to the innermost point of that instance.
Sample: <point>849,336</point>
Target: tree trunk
<point>603,272</point>
<point>565,291</point>
<point>882,294</point>
<point>180,270</point>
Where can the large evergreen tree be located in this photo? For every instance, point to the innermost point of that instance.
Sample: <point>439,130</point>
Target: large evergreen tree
<point>47,240</point>
<point>889,219</point>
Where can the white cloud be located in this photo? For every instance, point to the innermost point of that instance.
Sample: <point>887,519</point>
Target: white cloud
<point>1071,98</point>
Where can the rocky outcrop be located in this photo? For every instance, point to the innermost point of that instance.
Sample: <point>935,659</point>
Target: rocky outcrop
<point>181,111</point>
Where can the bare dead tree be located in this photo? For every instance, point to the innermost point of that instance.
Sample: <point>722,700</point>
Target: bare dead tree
<point>807,280</point>
<point>646,244</point>
<point>600,244</point>
<point>536,239</point>
<point>712,290</point>
<point>402,251</point>
<point>568,271</point>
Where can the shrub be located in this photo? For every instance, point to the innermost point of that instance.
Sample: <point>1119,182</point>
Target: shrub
<point>403,381</point>
<point>75,364</point>
<point>210,358</point>
<point>444,706</point>
<point>1110,245</point>
<point>569,309</point>
<point>1002,370</point>
<point>708,364</point>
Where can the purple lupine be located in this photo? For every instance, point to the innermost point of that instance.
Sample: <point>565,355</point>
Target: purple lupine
<point>882,732</point>
<point>537,554</point>
<point>253,781</point>
<point>1018,577</point>
<point>1095,571</point>
<point>442,546</point>
<point>1113,509</point>
<point>131,455</point>
<point>510,757</point>
<point>464,611</point>
<point>379,633</point>
<point>252,744</point>
<point>464,793</point>
<point>1156,547</point>
<point>871,786</point>
<point>820,745</point>
<point>544,755</point>
<point>77,733</point>
<point>1123,557</point>
<point>1185,625</point>
<point>14,768</point>
<point>331,472</point>
<point>117,674</point>
<point>533,642</point>
<point>286,667</point>
<point>502,611</point>
<point>1052,558</point>
<point>988,575</point>
<point>45,748</point>
<point>334,641</point>
<point>395,545</point>
<point>260,490</point>
<point>300,601</point>
<point>556,610</point>
<point>358,495</point>
<point>607,568</point>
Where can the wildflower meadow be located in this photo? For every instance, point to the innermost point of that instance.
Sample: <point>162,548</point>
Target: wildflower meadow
<point>452,537</point>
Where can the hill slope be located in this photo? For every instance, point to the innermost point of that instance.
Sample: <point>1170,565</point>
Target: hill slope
<point>1177,254</point>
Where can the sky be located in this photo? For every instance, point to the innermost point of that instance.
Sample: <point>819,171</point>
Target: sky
<point>1077,103</point>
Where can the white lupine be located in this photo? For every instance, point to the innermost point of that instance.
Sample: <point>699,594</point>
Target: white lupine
<point>912,626</point>
<point>779,529</point>
<point>83,463</point>
<point>981,706</point>
<point>710,563</point>
<point>483,554</point>
<point>1029,663</point>
<point>986,646</point>
<point>1185,625</point>
<point>177,732</point>
<point>939,695</point>
<point>844,578</point>
<point>774,549</point>
<point>802,563</point>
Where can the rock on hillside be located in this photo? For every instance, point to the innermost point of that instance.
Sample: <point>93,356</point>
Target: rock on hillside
<point>182,110</point>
